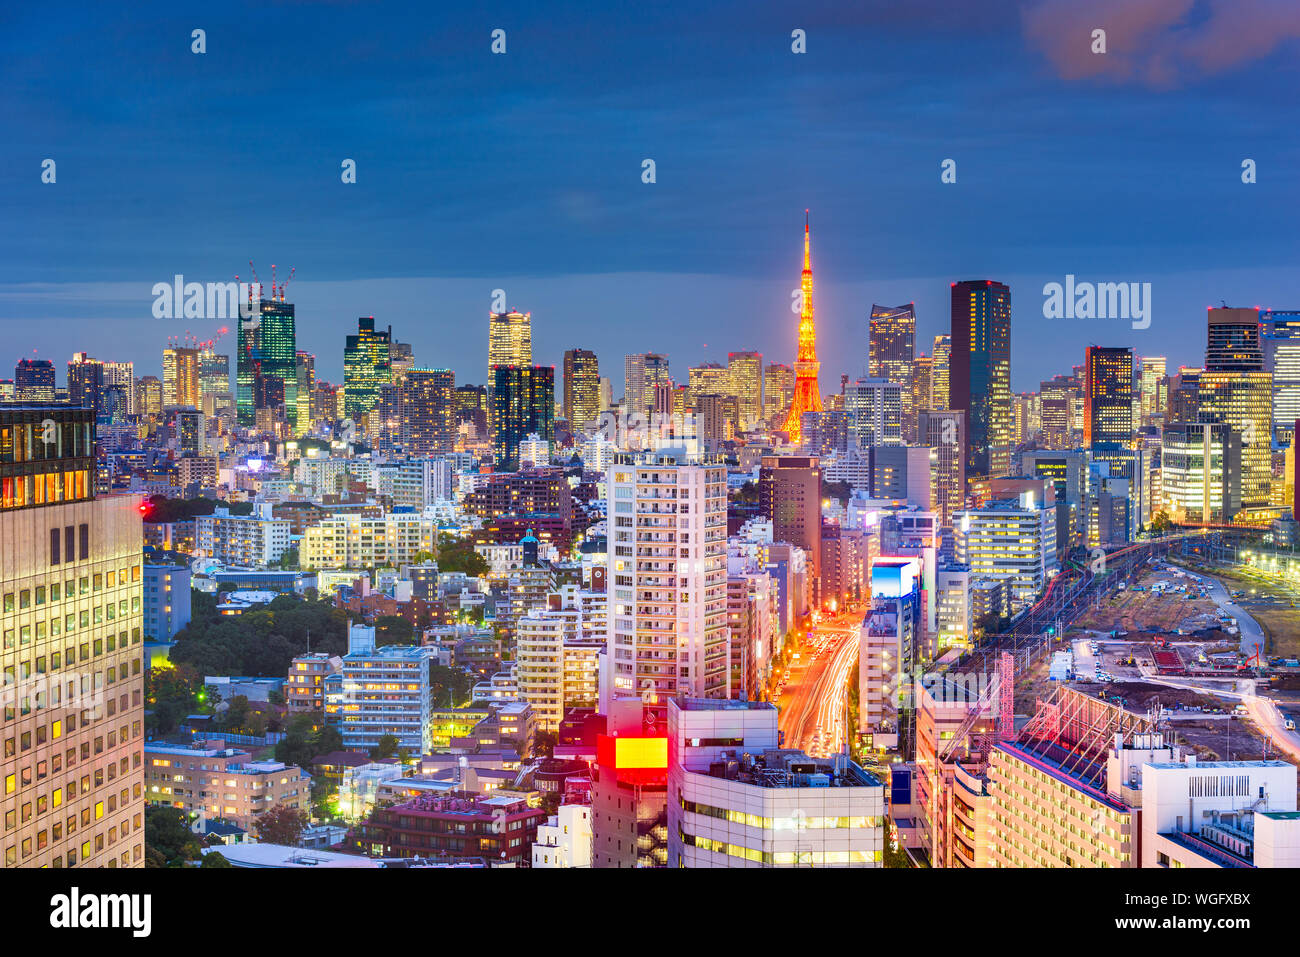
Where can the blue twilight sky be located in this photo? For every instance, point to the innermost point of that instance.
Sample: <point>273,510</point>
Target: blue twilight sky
<point>522,171</point>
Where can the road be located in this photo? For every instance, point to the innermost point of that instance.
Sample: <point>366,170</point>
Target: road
<point>1263,712</point>
<point>813,703</point>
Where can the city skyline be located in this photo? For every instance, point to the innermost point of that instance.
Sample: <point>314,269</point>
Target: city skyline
<point>480,187</point>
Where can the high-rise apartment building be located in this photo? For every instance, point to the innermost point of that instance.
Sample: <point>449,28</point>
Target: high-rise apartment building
<point>122,375</point>
<point>790,494</point>
<point>85,381</point>
<point>979,375</point>
<point>428,411</point>
<point>149,396</point>
<point>387,690</point>
<point>72,717</point>
<point>523,403</point>
<point>667,574</point>
<point>581,389</point>
<point>367,364</point>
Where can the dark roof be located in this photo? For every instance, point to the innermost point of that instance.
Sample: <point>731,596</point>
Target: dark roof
<point>347,759</point>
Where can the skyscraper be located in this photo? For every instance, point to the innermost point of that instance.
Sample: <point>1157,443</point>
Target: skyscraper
<point>305,373</point>
<point>367,364</point>
<point>778,389</point>
<point>72,763</point>
<point>891,350</point>
<point>807,391</point>
<point>510,339</point>
<point>523,402</point>
<point>939,373</point>
<point>1108,397</point>
<point>267,345</point>
<point>1281,343</point>
<point>1233,341</point>
<point>149,396</point>
<point>668,579</point>
<point>790,494</point>
<point>581,388</point>
<point>944,431</point>
<point>745,372</point>
<point>214,381</point>
<point>1235,389</point>
<point>85,381</point>
<point>877,409</point>
<point>979,375</point>
<point>121,374</point>
<point>429,411</point>
<point>1153,389</point>
<point>181,377</point>
<point>34,380</point>
<point>643,373</point>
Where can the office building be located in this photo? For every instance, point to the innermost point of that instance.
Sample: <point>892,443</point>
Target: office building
<point>643,373</point>
<point>34,380</point>
<point>1013,539</point>
<point>891,353</point>
<point>181,377</point>
<point>944,431</point>
<point>877,408</point>
<point>1281,345</point>
<point>741,800</point>
<point>979,375</point>
<point>889,644</point>
<point>745,376</point>
<point>523,403</point>
<point>71,590</point>
<point>1108,397</point>
<point>790,494</point>
<point>266,347</point>
<point>1200,472</point>
<point>1233,341</point>
<point>367,365</point>
<point>581,389</point>
<point>166,596</point>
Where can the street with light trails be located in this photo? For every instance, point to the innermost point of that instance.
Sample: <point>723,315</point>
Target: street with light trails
<point>813,703</point>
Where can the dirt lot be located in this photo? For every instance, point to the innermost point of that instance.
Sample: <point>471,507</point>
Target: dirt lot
<point>1270,606</point>
<point>1147,611</point>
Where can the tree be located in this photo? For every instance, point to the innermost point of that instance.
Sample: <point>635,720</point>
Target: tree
<point>386,748</point>
<point>307,736</point>
<point>1160,522</point>
<point>837,490</point>
<point>215,859</point>
<point>282,824</point>
<point>458,555</point>
<point>394,630</point>
<point>170,694</point>
<point>168,839</point>
<point>451,686</point>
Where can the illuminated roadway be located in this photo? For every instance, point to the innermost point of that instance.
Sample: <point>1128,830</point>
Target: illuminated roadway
<point>813,703</point>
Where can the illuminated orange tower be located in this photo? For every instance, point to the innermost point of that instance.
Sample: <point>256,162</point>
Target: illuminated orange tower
<point>807,393</point>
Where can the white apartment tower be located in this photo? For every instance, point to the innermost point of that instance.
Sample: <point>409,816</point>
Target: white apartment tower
<point>667,569</point>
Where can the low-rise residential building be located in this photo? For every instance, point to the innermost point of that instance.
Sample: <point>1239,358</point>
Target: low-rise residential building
<point>220,782</point>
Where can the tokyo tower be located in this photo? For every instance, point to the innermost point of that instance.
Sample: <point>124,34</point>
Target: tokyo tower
<point>807,395</point>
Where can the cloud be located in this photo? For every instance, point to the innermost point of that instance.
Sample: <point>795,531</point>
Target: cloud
<point>1158,43</point>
